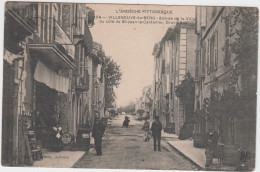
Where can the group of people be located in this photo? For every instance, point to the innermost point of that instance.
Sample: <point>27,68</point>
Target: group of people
<point>156,129</point>
<point>156,132</point>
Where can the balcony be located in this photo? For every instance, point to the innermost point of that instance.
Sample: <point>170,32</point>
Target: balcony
<point>53,45</point>
<point>19,23</point>
<point>82,83</point>
<point>82,34</point>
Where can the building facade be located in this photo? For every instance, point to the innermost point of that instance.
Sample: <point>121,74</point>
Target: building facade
<point>174,57</point>
<point>46,46</point>
<point>144,103</point>
<point>214,63</point>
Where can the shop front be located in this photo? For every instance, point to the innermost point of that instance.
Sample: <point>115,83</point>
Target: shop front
<point>51,106</point>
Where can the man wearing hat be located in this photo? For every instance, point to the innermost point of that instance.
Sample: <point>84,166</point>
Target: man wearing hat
<point>97,133</point>
<point>156,132</point>
<point>211,144</point>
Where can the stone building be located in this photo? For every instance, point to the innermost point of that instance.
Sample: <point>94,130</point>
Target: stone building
<point>144,103</point>
<point>174,56</point>
<point>214,62</point>
<point>44,45</point>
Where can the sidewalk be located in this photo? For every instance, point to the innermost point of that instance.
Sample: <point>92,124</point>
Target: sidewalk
<point>167,135</point>
<point>62,159</point>
<point>196,155</point>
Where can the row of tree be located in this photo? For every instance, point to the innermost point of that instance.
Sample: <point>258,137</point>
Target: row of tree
<point>113,75</point>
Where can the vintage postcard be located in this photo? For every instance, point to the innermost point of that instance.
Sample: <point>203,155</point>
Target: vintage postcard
<point>124,86</point>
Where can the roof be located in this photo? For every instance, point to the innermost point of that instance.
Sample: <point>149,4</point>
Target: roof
<point>170,34</point>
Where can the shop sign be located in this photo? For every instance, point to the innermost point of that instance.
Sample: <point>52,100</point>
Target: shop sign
<point>85,135</point>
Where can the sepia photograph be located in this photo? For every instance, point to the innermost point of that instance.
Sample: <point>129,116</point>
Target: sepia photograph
<point>129,86</point>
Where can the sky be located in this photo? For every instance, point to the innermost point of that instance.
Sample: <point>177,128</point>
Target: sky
<point>131,45</point>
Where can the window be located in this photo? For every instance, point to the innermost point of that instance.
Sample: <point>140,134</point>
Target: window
<point>227,49</point>
<point>82,60</point>
<point>212,46</point>
<point>197,66</point>
<point>46,23</point>
<point>163,66</point>
<point>203,60</point>
<point>42,13</point>
<point>227,27</point>
<point>208,59</point>
<point>171,90</point>
<point>59,13</point>
<point>155,85</point>
<point>227,54</point>
<point>216,50</point>
<point>213,53</point>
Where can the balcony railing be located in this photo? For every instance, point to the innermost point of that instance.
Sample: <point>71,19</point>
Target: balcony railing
<point>52,33</point>
<point>27,12</point>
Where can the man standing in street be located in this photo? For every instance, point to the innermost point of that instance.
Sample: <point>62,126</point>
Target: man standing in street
<point>97,133</point>
<point>211,145</point>
<point>156,132</point>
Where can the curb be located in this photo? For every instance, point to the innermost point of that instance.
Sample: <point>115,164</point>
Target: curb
<point>74,165</point>
<point>187,158</point>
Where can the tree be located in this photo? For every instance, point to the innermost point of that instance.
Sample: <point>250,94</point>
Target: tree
<point>113,76</point>
<point>244,32</point>
<point>221,109</point>
<point>129,109</point>
<point>244,46</point>
<point>186,92</point>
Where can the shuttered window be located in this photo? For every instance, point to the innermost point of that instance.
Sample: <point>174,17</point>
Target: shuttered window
<point>216,51</point>
<point>203,60</point>
<point>163,66</point>
<point>212,48</point>
<point>227,54</point>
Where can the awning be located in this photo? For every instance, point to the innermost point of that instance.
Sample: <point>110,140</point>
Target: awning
<point>50,78</point>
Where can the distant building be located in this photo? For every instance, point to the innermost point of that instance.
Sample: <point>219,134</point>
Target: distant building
<point>144,103</point>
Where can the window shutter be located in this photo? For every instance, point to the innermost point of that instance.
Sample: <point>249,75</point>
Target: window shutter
<point>163,66</point>
<point>226,60</point>
<point>197,66</point>
<point>87,79</point>
<point>203,61</point>
<point>216,50</point>
<point>227,27</point>
<point>208,57</point>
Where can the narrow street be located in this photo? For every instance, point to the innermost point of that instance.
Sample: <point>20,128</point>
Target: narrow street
<point>124,148</point>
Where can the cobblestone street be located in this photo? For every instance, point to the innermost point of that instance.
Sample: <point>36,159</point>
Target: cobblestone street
<point>124,148</point>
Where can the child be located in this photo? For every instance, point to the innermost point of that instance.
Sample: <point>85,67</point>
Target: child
<point>146,129</point>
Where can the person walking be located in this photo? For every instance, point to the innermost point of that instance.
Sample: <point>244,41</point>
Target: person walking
<point>146,128</point>
<point>211,145</point>
<point>156,132</point>
<point>126,121</point>
<point>97,133</point>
